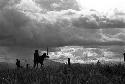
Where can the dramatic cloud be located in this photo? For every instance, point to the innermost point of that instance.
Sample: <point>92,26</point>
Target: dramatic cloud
<point>94,19</point>
<point>27,25</point>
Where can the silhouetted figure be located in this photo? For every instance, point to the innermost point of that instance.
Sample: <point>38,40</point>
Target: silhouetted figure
<point>36,58</point>
<point>41,58</point>
<point>124,57</point>
<point>18,63</point>
<point>27,66</point>
<point>69,62</point>
<point>98,63</point>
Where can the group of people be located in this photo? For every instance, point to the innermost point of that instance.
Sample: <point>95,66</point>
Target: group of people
<point>37,59</point>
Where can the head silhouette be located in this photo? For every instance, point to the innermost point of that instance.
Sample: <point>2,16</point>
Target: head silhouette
<point>17,59</point>
<point>36,51</point>
<point>44,54</point>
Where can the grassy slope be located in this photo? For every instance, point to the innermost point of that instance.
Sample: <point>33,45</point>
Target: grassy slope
<point>62,74</point>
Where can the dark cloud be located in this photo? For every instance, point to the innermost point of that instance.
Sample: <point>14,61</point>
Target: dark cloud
<point>112,31</point>
<point>94,21</point>
<point>113,23</point>
<point>3,3</point>
<point>20,33</point>
<point>17,29</point>
<point>11,52</point>
<point>11,25</point>
<point>85,22</point>
<point>97,43</point>
<point>116,49</point>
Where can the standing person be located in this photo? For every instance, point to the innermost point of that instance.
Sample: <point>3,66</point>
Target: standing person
<point>42,58</point>
<point>27,66</point>
<point>69,62</point>
<point>36,58</point>
<point>124,57</point>
<point>98,63</point>
<point>18,63</point>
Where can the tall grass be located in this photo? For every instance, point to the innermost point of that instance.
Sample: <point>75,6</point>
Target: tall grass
<point>75,74</point>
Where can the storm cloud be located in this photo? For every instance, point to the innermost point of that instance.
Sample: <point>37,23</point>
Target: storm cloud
<point>32,25</point>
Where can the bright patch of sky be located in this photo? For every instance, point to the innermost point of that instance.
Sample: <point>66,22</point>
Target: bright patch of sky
<point>82,55</point>
<point>102,5</point>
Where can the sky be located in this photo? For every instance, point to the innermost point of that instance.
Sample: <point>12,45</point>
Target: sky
<point>96,25</point>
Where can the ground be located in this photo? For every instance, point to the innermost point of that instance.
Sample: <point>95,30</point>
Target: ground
<point>64,74</point>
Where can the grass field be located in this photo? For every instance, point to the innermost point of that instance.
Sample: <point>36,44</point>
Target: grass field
<point>64,74</point>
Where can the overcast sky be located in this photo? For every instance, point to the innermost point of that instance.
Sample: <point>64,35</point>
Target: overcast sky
<point>26,25</point>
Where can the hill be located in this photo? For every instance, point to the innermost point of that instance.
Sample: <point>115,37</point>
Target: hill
<point>5,65</point>
<point>51,63</point>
